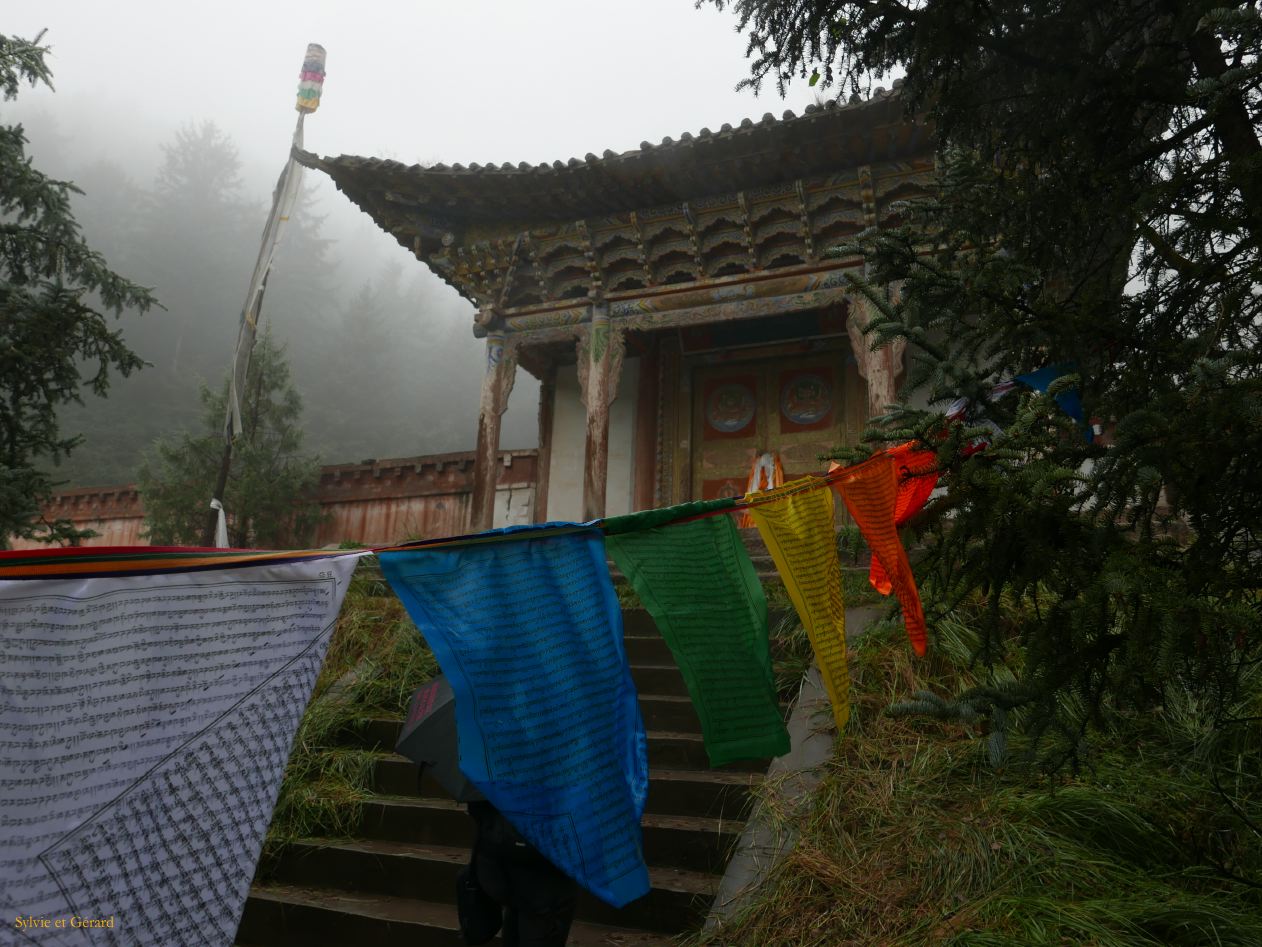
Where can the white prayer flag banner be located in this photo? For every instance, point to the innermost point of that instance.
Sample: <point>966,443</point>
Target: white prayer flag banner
<point>145,724</point>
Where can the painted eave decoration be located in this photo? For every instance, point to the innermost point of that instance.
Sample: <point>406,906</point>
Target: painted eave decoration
<point>755,196</point>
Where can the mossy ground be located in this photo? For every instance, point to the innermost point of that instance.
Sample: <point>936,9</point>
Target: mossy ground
<point>914,838</point>
<point>376,661</point>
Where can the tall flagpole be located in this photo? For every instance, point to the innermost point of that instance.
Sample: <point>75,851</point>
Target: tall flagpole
<point>284,197</point>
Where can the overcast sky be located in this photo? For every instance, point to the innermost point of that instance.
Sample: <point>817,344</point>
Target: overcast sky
<point>477,80</point>
<point>467,81</point>
<point>484,81</point>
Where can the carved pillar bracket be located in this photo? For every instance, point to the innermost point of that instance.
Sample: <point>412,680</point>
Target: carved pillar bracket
<point>533,256</point>
<point>882,368</point>
<point>747,230</point>
<point>600,353</point>
<point>694,240</point>
<point>867,193</point>
<point>497,385</point>
<point>595,288</point>
<point>804,216</point>
<point>510,266</point>
<point>642,250</point>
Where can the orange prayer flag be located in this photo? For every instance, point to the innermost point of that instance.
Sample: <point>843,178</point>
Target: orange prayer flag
<point>870,492</point>
<point>917,477</point>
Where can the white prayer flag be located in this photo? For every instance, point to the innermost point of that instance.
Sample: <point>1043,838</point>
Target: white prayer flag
<point>145,724</point>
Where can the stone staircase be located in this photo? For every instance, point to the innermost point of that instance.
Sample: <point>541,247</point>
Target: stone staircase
<point>394,882</point>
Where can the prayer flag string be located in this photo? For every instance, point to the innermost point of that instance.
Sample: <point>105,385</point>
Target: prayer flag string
<point>917,478</point>
<point>148,718</point>
<point>870,492</point>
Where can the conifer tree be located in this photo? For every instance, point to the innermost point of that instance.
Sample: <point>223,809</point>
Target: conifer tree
<point>270,493</point>
<point>1099,209</point>
<point>55,338</point>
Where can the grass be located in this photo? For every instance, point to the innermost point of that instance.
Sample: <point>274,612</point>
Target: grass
<point>914,839</point>
<point>627,597</point>
<point>376,661</point>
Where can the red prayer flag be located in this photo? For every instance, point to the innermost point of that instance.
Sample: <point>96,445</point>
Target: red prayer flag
<point>870,491</point>
<point>917,478</point>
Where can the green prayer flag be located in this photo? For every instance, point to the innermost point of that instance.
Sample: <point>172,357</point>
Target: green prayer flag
<point>696,580</point>
<point>650,519</point>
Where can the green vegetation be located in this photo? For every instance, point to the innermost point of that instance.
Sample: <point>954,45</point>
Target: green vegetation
<point>269,497</point>
<point>55,340</point>
<point>376,661</point>
<point>1077,762</point>
<point>914,838</point>
<point>1097,213</point>
<point>791,654</point>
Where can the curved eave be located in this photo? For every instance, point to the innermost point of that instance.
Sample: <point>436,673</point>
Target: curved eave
<point>429,209</point>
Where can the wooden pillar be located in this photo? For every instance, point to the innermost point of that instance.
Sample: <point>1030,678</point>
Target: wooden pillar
<point>647,407</point>
<point>600,352</point>
<point>880,369</point>
<point>497,383</point>
<point>543,458</point>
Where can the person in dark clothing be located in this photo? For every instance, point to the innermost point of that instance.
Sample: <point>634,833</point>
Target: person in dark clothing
<point>509,884</point>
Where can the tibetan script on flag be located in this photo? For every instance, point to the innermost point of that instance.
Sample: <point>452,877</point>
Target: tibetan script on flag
<point>528,630</point>
<point>145,723</point>
<point>696,580</point>
<point>796,523</point>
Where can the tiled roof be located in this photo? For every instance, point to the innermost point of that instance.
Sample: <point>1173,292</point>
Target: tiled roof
<point>427,202</point>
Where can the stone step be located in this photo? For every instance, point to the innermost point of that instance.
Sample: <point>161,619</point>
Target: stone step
<point>693,843</point>
<point>668,749</point>
<point>647,649</point>
<point>637,622</point>
<point>753,541</point>
<point>316,916</point>
<point>686,751</point>
<point>664,679</point>
<point>669,713</point>
<point>677,900</point>
<point>717,794</point>
<point>659,712</point>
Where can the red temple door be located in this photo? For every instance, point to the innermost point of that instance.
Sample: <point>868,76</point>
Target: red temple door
<point>796,408</point>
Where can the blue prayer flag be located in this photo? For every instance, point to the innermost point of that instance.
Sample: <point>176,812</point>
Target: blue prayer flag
<point>1067,400</point>
<point>528,630</point>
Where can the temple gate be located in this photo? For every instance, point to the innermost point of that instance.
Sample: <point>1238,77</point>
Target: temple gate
<point>675,302</point>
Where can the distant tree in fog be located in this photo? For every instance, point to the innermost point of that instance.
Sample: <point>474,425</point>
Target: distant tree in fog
<point>200,239</point>
<point>381,352</point>
<point>406,386</point>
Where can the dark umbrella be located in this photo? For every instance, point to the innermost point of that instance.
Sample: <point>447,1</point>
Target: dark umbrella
<point>428,737</point>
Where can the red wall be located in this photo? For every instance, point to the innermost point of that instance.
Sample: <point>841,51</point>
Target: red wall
<point>375,502</point>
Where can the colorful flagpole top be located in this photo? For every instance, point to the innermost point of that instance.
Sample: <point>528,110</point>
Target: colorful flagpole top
<point>311,79</point>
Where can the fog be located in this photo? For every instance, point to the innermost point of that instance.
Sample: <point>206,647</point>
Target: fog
<point>175,120</point>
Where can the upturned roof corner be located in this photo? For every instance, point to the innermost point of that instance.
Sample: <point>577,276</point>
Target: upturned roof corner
<point>701,207</point>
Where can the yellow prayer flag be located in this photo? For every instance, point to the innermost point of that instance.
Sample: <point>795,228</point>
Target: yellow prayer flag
<point>796,523</point>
